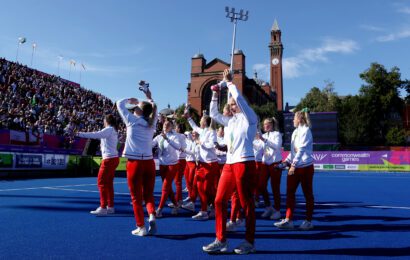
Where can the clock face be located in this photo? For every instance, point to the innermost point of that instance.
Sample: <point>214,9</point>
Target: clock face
<point>275,61</point>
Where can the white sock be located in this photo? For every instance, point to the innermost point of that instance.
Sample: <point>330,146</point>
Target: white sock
<point>151,217</point>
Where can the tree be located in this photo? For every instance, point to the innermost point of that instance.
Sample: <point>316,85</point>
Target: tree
<point>324,100</point>
<point>267,110</point>
<point>381,97</point>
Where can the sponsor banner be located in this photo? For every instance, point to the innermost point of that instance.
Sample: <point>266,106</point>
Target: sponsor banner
<point>352,167</point>
<point>318,166</point>
<point>6,160</point>
<point>29,161</point>
<point>55,161</point>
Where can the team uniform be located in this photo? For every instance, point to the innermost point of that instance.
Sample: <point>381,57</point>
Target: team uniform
<point>272,156</point>
<point>207,168</point>
<point>168,167</point>
<point>238,172</point>
<point>300,156</point>
<point>181,167</point>
<point>192,151</point>
<point>140,166</point>
<point>110,161</point>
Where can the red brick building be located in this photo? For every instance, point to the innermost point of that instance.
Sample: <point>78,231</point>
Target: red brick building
<point>204,75</point>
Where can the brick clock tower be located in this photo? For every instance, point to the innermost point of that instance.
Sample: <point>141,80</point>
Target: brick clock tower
<point>276,51</point>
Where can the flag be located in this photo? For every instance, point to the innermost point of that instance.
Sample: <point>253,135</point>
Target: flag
<point>82,65</point>
<point>22,40</point>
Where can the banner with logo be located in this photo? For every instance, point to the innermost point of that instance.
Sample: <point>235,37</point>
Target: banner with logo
<point>55,161</point>
<point>362,160</point>
<point>6,160</point>
<point>29,161</point>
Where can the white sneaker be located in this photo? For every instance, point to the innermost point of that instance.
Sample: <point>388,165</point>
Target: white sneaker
<point>245,248</point>
<point>268,212</point>
<point>139,231</point>
<point>275,215</point>
<point>172,205</point>
<point>284,224</point>
<point>306,225</point>
<point>230,226</point>
<point>99,211</point>
<point>110,210</point>
<point>152,228</point>
<point>185,190</point>
<point>202,215</point>
<point>189,206</point>
<point>216,246</point>
<point>158,213</point>
<point>187,199</point>
<point>174,211</point>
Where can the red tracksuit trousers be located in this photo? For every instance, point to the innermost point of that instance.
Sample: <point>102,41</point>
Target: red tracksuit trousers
<point>168,173</point>
<point>141,181</point>
<point>206,174</point>
<point>190,180</point>
<point>304,176</point>
<point>242,177</point>
<point>269,171</point>
<point>178,179</point>
<point>105,181</point>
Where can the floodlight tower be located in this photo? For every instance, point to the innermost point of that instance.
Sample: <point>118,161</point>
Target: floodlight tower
<point>231,14</point>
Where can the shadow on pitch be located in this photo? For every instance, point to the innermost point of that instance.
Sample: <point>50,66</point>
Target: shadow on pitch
<point>403,251</point>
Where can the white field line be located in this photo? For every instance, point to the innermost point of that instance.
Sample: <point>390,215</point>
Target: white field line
<point>65,189</point>
<point>64,186</point>
<point>362,206</point>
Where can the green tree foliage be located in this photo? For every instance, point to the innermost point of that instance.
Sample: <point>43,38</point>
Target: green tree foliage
<point>317,100</point>
<point>396,136</point>
<point>267,110</point>
<point>374,116</point>
<point>381,96</point>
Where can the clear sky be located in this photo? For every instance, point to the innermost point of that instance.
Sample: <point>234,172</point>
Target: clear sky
<point>121,42</point>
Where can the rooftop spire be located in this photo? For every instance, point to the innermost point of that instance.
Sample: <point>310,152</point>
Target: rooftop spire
<point>275,26</point>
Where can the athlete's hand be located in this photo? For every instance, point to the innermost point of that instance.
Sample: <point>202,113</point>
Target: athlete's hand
<point>227,77</point>
<point>148,94</point>
<point>291,170</point>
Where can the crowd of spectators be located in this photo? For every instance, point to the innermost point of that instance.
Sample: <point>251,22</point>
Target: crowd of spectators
<point>34,101</point>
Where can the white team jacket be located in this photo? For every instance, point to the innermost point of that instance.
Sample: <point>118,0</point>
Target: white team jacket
<point>240,129</point>
<point>272,148</point>
<point>138,144</point>
<point>109,141</point>
<point>301,147</point>
<point>167,149</point>
<point>207,137</point>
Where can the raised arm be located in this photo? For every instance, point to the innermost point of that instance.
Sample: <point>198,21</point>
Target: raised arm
<point>243,105</point>
<point>104,133</point>
<point>126,116</point>
<point>194,126</point>
<point>214,113</point>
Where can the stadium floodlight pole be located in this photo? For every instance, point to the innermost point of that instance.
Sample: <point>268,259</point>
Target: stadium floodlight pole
<point>231,14</point>
<point>21,40</point>
<point>243,16</point>
<point>60,58</point>
<point>32,53</point>
<point>72,62</point>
